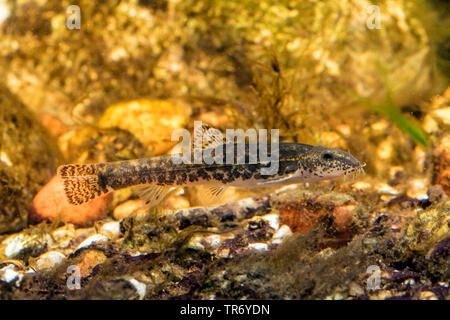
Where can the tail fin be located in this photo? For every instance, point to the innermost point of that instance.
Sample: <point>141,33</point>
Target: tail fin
<point>81,182</point>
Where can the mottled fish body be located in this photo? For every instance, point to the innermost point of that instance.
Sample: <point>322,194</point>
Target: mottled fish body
<point>295,163</point>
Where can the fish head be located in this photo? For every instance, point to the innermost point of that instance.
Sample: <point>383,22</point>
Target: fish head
<point>325,163</point>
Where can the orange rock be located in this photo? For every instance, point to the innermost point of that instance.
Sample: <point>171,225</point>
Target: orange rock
<point>300,216</point>
<point>89,259</point>
<point>52,124</point>
<point>343,218</point>
<point>51,203</point>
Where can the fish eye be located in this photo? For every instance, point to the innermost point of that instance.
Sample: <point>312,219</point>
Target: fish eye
<point>327,156</point>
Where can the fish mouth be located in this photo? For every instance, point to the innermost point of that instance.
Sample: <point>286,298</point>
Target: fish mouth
<point>356,170</point>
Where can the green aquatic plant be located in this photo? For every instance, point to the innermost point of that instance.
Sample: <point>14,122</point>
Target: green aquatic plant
<point>390,110</point>
<point>394,114</point>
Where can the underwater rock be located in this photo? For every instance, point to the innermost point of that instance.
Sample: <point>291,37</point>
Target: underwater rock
<point>92,240</point>
<point>302,215</point>
<point>8,274</point>
<point>51,204</point>
<point>63,236</point>
<point>441,155</point>
<point>49,260</point>
<point>443,115</point>
<point>141,288</point>
<point>176,202</point>
<point>428,295</point>
<point>127,208</point>
<point>258,246</point>
<point>88,259</point>
<point>283,232</point>
<point>428,234</point>
<point>28,158</point>
<point>111,229</point>
<point>150,121</point>
<point>211,243</point>
<point>440,110</point>
<point>232,212</point>
<point>417,189</point>
<point>24,244</point>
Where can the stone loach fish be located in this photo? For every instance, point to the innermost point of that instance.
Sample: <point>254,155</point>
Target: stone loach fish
<point>157,177</point>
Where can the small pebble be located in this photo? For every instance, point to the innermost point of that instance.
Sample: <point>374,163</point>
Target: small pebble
<point>111,229</point>
<point>125,209</point>
<point>417,189</point>
<point>428,295</point>
<point>141,288</point>
<point>49,260</point>
<point>356,289</point>
<point>51,203</point>
<point>96,238</point>
<point>361,186</point>
<point>386,189</point>
<point>443,115</point>
<point>15,244</point>
<point>283,232</point>
<point>273,220</point>
<point>9,275</point>
<point>258,246</point>
<point>63,236</point>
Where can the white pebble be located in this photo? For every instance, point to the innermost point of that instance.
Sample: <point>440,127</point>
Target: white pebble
<point>258,246</point>
<point>443,115</point>
<point>8,274</point>
<point>273,220</point>
<point>16,243</point>
<point>383,188</point>
<point>49,260</point>
<point>140,287</point>
<point>213,240</point>
<point>417,189</point>
<point>111,229</point>
<point>96,238</point>
<point>283,232</point>
<point>5,159</point>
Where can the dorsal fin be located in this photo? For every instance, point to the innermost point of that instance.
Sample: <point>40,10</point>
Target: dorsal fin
<point>209,137</point>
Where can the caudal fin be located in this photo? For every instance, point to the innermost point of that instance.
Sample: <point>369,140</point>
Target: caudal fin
<point>81,183</point>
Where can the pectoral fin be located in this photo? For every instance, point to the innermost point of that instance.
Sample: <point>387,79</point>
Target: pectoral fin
<point>275,180</point>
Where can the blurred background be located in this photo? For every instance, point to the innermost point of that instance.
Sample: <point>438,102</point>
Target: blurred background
<point>111,80</point>
<point>94,81</point>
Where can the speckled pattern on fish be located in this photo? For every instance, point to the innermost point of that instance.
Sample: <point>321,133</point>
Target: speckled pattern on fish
<point>297,163</point>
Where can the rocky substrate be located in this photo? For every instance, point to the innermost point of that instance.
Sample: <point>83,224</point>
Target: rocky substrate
<point>359,241</point>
